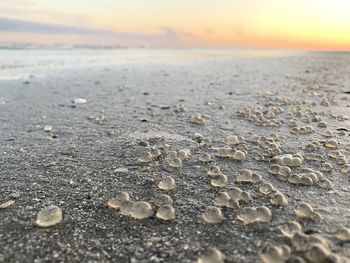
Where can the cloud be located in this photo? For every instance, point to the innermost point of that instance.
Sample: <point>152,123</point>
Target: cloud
<point>165,37</point>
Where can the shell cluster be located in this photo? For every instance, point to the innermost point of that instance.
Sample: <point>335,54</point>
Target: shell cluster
<point>226,152</point>
<point>306,211</point>
<point>247,176</point>
<point>279,170</point>
<point>302,130</point>
<point>250,215</point>
<point>265,117</point>
<point>149,156</point>
<point>291,160</point>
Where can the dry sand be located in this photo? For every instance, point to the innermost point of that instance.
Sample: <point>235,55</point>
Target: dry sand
<point>75,166</point>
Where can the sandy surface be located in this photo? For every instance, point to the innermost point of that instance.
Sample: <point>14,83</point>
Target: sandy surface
<point>75,166</point>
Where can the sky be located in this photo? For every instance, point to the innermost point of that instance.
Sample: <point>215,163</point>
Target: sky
<point>277,24</point>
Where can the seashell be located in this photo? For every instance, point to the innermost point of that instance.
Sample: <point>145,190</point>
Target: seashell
<point>213,255</point>
<point>168,183</point>
<point>212,215</point>
<point>183,154</point>
<point>331,144</point>
<point>48,129</point>
<point>145,158</point>
<point>116,201</point>
<point>162,200</point>
<point>266,188</point>
<point>322,124</point>
<point>222,199</point>
<point>325,183</point>
<point>155,153</point>
<point>219,180</point>
<point>327,133</point>
<point>238,155</point>
<point>326,167</point>
<point>345,170</point>
<point>49,216</point>
<point>125,208</point>
<point>166,212</point>
<point>343,234</point>
<point>279,200</point>
<point>197,119</point>
<point>342,160</point>
<point>225,152</point>
<point>233,140</point>
<point>141,210</point>
<point>317,253</point>
<point>176,162</point>
<point>214,170</point>
<point>79,101</point>
<point>205,158</point>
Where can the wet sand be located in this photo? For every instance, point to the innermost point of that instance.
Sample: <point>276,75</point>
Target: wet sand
<point>76,166</point>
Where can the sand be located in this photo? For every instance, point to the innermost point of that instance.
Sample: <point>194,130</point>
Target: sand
<point>82,163</point>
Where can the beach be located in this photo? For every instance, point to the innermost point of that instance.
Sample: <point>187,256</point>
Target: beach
<point>146,98</point>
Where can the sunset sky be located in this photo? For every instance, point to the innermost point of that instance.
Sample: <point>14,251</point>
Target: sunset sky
<point>290,24</point>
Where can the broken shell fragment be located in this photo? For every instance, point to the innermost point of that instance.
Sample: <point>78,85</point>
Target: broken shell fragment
<point>49,216</point>
<point>7,204</point>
